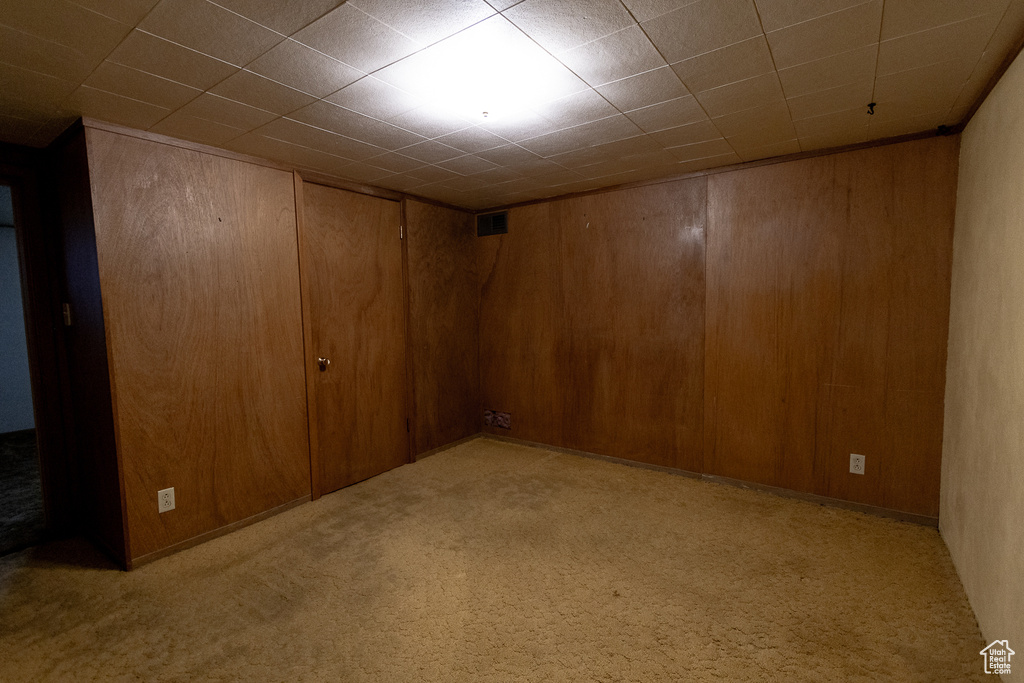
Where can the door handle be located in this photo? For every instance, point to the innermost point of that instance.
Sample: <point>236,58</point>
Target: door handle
<point>322,363</point>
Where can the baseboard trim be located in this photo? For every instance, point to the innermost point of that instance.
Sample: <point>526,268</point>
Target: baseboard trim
<point>913,518</point>
<point>441,449</point>
<point>136,562</point>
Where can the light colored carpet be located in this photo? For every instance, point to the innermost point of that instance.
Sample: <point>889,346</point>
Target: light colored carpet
<point>499,562</point>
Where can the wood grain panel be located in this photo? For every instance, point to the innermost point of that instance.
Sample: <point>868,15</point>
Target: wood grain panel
<point>523,338</point>
<point>98,467</point>
<point>352,262</point>
<point>444,324</point>
<point>828,301</point>
<point>773,264</point>
<point>199,271</point>
<point>633,271</point>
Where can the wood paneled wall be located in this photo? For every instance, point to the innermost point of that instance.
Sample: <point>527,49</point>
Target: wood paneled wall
<point>826,305</point>
<point>444,310</point>
<point>198,267</point>
<point>592,323</point>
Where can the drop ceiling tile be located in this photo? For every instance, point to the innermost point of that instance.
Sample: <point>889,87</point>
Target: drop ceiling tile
<point>98,104</point>
<point>910,16</point>
<point>577,109</point>
<point>644,90</point>
<point>935,83</point>
<point>672,114</point>
<point>297,133</point>
<point>432,174</point>
<point>627,148</point>
<point>467,165</point>
<point>776,149</point>
<point>283,17</point>
<point>400,183</point>
<point>274,149</point>
<point>373,97</point>
<point>616,56</point>
<point>822,74</point>
<point>729,64</point>
<point>845,97</point>
<point>688,134</point>
<point>395,162</point>
<point>701,150</point>
<point>351,124</point>
<point>607,168</point>
<point>426,21</point>
<point>128,12</point>
<point>828,35</point>
<point>703,26</point>
<point>560,25</point>
<point>776,14</point>
<point>753,92</point>
<point>832,124</point>
<point>522,126</point>
<point>498,174</point>
<point>227,112</point>
<point>929,121</point>
<point>89,35</point>
<point>17,130</point>
<point>642,10</point>
<point>837,138</point>
<point>964,40</point>
<point>518,158</point>
<point>429,122</point>
<point>465,184</point>
<point>40,55</point>
<point>431,152</point>
<point>710,162</point>
<point>257,91</point>
<point>204,131</point>
<point>28,111</point>
<point>579,158</point>
<point>356,38</point>
<point>35,91</point>
<point>163,58</point>
<point>362,172</point>
<point>140,85</point>
<point>1004,39</point>
<point>472,140</point>
<point>50,130</point>
<point>771,120</point>
<point>209,29</point>
<point>609,129</point>
<point>501,5</point>
<point>305,69</point>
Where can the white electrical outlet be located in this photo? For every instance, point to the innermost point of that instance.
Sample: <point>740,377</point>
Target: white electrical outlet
<point>165,499</point>
<point>856,464</point>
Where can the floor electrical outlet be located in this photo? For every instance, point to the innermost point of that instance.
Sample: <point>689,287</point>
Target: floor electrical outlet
<point>856,464</point>
<point>165,499</point>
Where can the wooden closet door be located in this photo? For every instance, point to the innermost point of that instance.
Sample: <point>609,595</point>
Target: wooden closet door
<point>352,277</point>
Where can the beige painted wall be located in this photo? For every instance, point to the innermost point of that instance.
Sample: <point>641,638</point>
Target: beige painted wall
<point>982,495</point>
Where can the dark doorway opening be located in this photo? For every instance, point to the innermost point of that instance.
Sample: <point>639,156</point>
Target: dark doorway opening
<point>22,517</point>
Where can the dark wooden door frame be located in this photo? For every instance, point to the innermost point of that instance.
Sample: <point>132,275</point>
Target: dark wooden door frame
<point>24,170</point>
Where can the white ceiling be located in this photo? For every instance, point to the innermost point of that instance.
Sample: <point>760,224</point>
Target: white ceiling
<point>644,88</point>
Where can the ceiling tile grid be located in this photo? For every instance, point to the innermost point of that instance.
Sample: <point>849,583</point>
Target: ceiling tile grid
<point>634,90</point>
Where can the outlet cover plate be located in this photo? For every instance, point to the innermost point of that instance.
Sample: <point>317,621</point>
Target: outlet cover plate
<point>165,499</point>
<point>856,463</point>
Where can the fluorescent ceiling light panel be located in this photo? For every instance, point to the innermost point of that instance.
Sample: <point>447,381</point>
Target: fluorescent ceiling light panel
<point>489,71</point>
